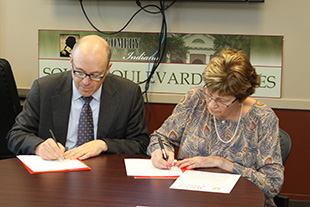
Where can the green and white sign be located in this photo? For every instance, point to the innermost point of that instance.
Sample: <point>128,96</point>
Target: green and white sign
<point>186,57</point>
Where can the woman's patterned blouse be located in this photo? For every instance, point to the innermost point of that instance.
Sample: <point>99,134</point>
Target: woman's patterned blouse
<point>255,149</point>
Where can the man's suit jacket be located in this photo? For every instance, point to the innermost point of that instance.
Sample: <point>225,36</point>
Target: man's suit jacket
<point>121,122</point>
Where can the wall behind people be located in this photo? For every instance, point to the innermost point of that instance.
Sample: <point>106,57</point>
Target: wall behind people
<point>20,21</point>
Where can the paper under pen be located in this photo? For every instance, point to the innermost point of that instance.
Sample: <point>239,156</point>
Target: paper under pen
<point>163,150</point>
<point>54,138</point>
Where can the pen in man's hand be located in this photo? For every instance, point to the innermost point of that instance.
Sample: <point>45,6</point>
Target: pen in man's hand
<point>54,138</point>
<point>163,150</point>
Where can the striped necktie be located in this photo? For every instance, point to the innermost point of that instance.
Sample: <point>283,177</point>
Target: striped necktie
<point>86,126</point>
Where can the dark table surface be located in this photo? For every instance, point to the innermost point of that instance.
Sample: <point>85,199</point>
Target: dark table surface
<point>107,184</point>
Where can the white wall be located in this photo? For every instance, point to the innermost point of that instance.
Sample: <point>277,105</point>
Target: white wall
<point>20,21</point>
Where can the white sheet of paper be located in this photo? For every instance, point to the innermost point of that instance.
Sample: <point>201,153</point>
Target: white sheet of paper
<point>206,181</point>
<point>37,164</point>
<point>144,167</point>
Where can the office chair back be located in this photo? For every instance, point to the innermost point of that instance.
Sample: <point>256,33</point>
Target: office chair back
<point>286,144</point>
<point>9,105</point>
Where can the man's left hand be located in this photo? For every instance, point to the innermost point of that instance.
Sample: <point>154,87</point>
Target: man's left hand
<point>87,150</point>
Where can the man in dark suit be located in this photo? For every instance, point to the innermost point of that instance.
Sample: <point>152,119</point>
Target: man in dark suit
<point>55,102</point>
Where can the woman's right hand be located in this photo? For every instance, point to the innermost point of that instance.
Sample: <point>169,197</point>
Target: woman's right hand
<point>158,160</point>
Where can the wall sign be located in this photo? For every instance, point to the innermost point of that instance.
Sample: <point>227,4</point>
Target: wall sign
<point>186,57</point>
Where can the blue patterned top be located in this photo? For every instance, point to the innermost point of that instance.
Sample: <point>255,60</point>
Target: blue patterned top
<point>255,150</point>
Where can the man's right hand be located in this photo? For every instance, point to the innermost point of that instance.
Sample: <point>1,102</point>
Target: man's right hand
<point>49,150</point>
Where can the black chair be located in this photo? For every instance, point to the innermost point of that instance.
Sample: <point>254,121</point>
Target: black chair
<point>9,105</point>
<point>286,144</point>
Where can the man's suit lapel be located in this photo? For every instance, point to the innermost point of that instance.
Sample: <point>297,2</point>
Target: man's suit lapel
<point>61,104</point>
<point>108,108</point>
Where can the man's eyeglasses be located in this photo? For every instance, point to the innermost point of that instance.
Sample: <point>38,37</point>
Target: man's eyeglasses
<point>209,98</point>
<point>81,74</point>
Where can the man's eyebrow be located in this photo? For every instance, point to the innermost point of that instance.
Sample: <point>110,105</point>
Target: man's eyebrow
<point>81,69</point>
<point>78,68</point>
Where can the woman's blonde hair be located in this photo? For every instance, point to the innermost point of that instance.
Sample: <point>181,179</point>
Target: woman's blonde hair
<point>231,74</point>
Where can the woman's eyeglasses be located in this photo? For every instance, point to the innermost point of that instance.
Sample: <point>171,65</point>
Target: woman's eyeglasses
<point>219,102</point>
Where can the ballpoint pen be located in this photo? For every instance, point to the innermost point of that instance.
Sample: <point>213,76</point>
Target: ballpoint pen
<point>54,138</point>
<point>163,150</point>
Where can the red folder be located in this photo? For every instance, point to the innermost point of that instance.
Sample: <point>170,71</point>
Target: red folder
<point>162,177</point>
<point>64,167</point>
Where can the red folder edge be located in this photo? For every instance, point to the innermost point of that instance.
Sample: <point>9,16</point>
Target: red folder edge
<point>64,170</point>
<point>162,177</point>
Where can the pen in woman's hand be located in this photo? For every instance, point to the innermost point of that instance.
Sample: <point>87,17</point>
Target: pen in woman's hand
<point>163,150</point>
<point>54,138</point>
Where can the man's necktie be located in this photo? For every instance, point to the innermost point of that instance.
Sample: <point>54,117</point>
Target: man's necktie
<point>86,126</point>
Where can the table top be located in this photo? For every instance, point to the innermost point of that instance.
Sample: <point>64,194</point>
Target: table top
<point>107,184</point>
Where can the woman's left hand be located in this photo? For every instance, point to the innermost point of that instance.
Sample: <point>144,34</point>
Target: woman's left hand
<point>205,162</point>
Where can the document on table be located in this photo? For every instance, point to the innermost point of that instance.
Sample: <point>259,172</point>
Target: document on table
<point>143,168</point>
<point>35,164</point>
<point>206,181</point>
